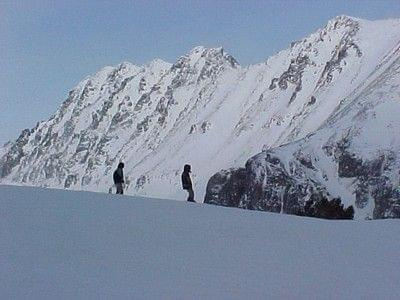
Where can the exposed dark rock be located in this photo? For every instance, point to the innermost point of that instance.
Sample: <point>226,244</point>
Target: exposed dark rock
<point>193,129</point>
<point>69,128</point>
<point>144,99</point>
<point>120,120</point>
<point>70,180</point>
<point>349,166</point>
<point>143,126</point>
<point>141,181</point>
<point>262,185</point>
<point>305,160</point>
<point>267,184</point>
<point>320,207</point>
<point>142,84</point>
<point>227,188</point>
<point>14,155</point>
<point>312,101</point>
<point>345,45</point>
<point>205,126</point>
<point>293,75</point>
<point>162,110</point>
<point>387,201</point>
<point>95,121</point>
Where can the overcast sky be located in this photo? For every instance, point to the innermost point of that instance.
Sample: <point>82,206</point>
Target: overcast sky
<point>47,47</point>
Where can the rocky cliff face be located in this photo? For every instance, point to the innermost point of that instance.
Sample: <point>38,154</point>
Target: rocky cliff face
<point>205,110</point>
<point>354,156</point>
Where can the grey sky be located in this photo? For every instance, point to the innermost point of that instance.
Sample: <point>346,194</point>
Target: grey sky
<point>47,47</point>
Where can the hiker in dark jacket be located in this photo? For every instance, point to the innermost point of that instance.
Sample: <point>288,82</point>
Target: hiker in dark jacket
<point>187,183</point>
<point>119,178</point>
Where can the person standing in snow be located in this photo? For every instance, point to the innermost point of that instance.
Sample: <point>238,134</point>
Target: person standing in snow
<point>187,183</point>
<point>119,178</point>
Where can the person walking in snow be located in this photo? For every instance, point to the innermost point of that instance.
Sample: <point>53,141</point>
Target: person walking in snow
<point>187,183</point>
<point>119,178</point>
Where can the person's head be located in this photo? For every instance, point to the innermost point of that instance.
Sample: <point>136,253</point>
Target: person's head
<point>186,168</point>
<point>121,165</point>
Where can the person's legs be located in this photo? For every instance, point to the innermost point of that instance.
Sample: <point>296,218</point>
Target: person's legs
<point>191,195</point>
<point>120,190</point>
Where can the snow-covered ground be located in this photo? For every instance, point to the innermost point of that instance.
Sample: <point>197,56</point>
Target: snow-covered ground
<point>65,244</point>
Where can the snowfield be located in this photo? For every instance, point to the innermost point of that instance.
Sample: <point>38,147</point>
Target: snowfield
<point>83,245</point>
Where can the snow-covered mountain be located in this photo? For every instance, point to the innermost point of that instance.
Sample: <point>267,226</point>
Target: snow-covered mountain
<point>205,110</point>
<point>354,156</point>
<point>58,244</point>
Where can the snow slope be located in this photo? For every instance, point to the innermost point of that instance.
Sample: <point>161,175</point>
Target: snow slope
<point>82,245</point>
<point>205,109</point>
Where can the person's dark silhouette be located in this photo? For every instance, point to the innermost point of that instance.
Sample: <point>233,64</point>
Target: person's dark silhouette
<point>118,177</point>
<point>187,183</point>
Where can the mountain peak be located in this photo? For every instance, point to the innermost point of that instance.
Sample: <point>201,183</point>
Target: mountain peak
<point>342,21</point>
<point>158,64</point>
<point>201,51</point>
<point>344,18</point>
<point>210,55</point>
<point>338,26</point>
<point>126,67</point>
<point>197,49</point>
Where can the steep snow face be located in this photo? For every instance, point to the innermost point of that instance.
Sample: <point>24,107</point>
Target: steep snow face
<point>205,110</point>
<point>354,156</point>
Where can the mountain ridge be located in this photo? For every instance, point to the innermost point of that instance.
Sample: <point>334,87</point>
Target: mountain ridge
<point>204,109</point>
<point>353,156</point>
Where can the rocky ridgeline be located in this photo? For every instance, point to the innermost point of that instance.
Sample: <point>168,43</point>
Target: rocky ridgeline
<point>207,110</point>
<point>126,102</point>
